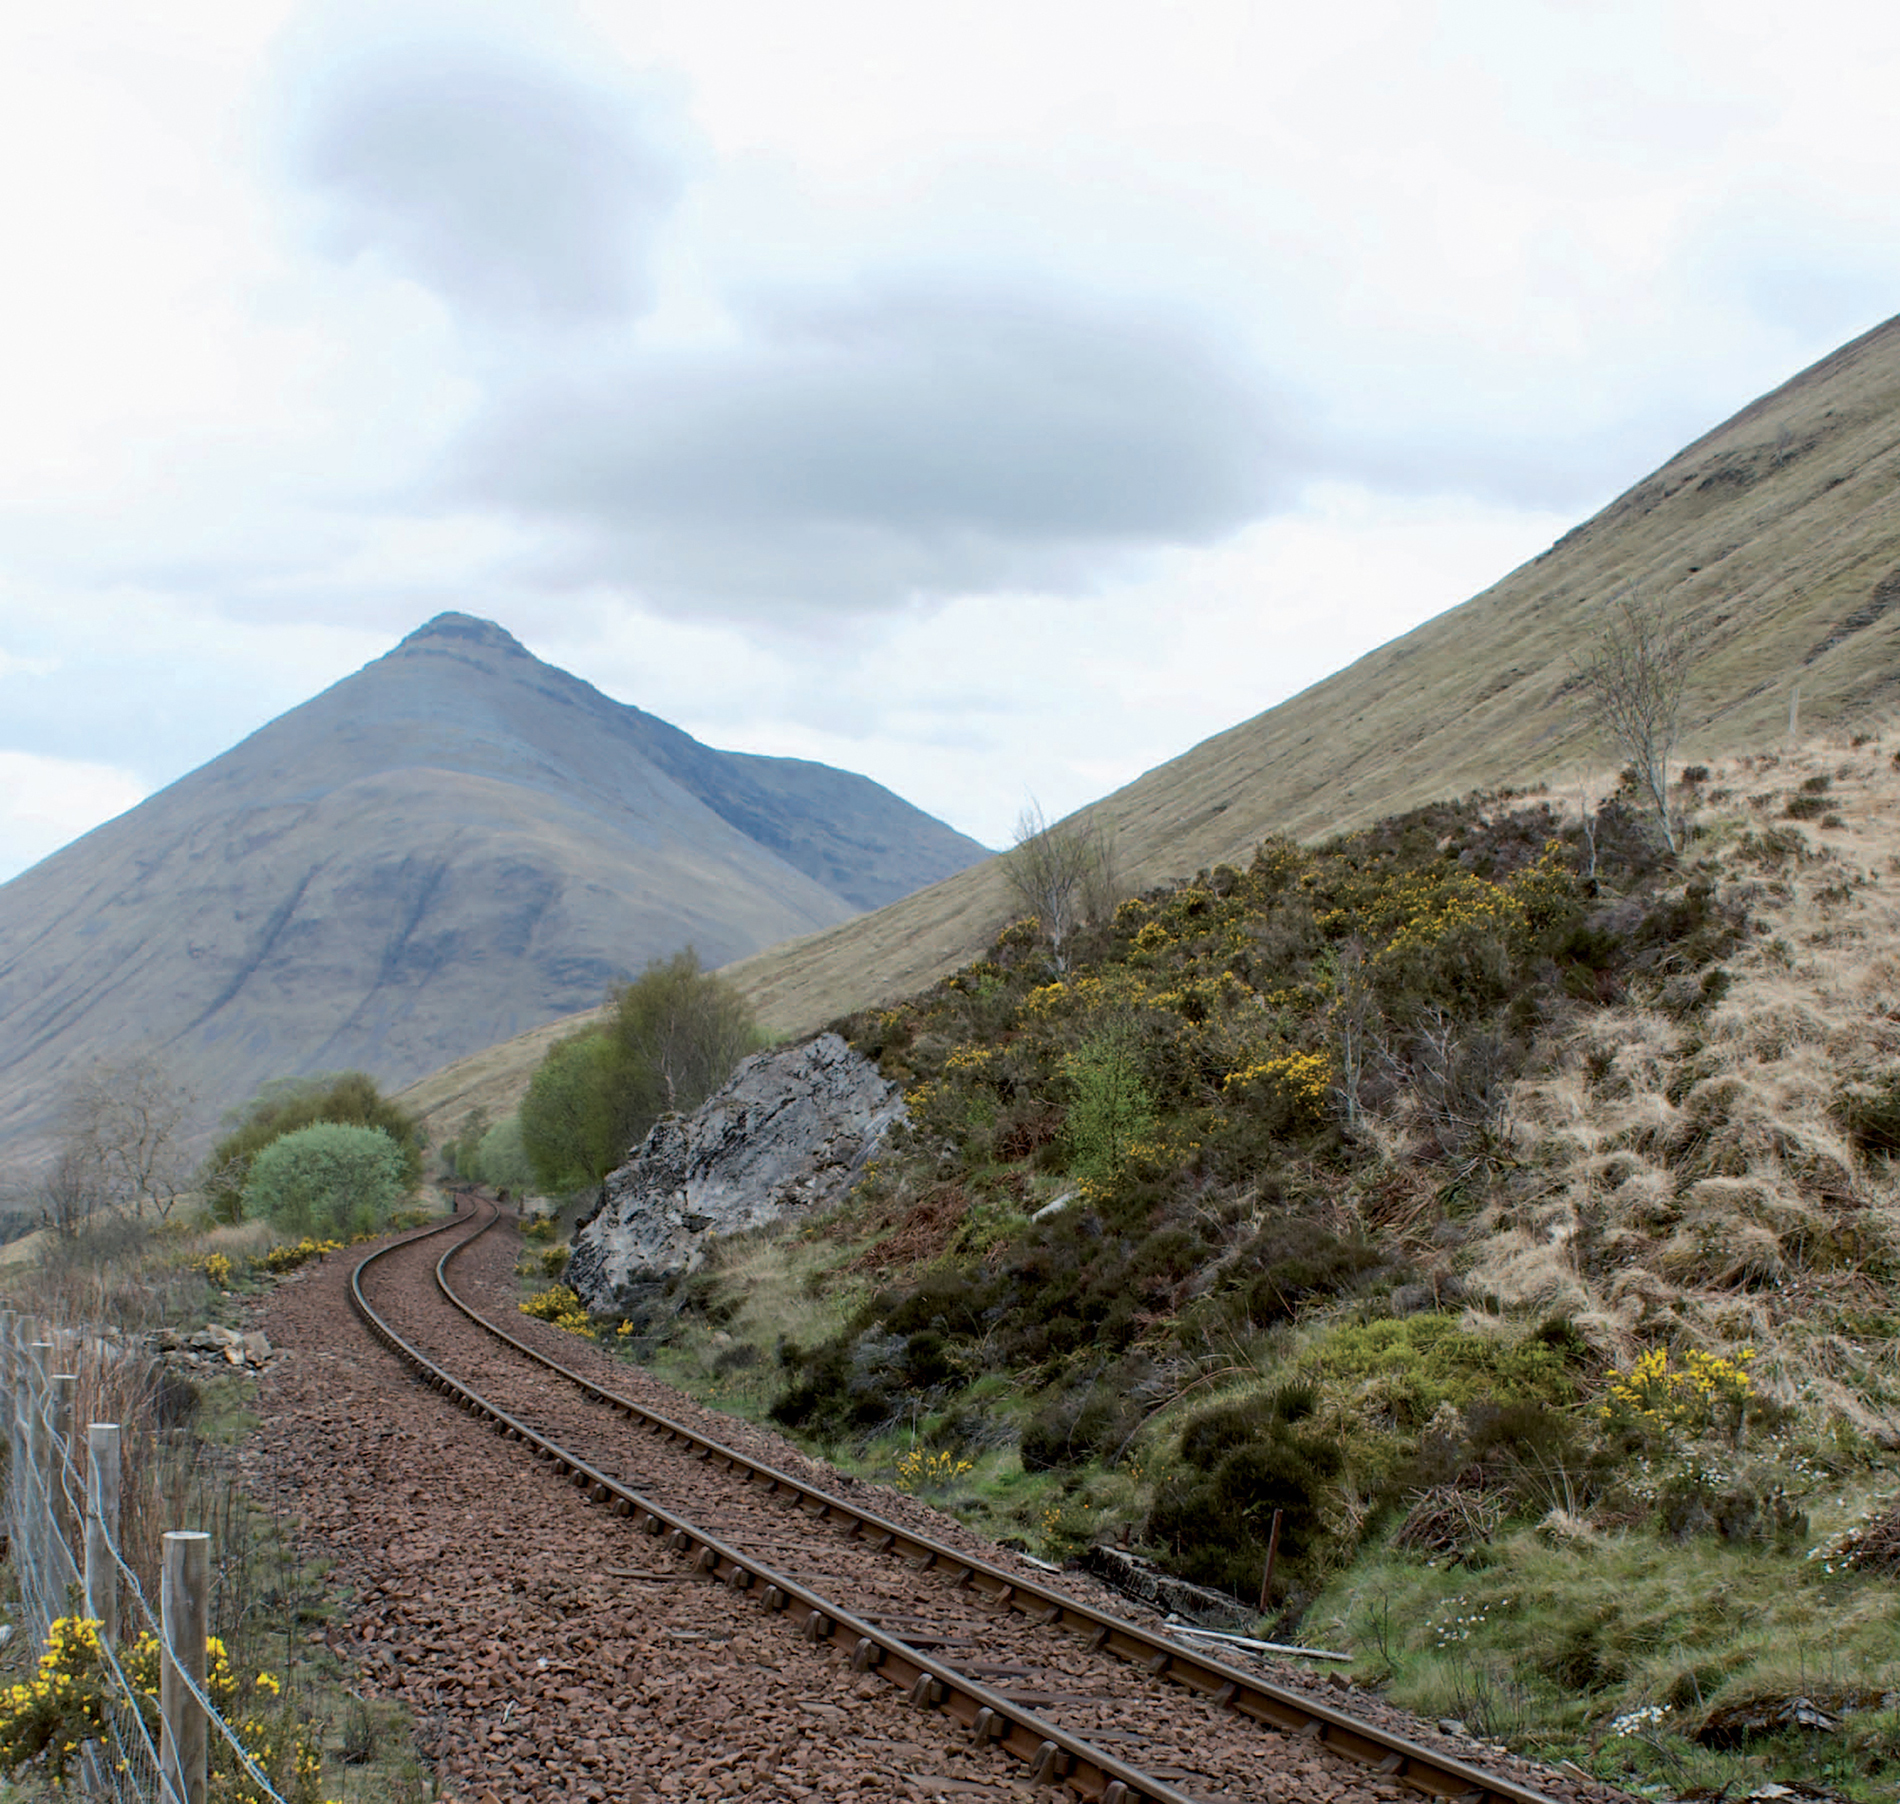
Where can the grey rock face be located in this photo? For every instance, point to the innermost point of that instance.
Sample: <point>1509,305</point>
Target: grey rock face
<point>787,1134</point>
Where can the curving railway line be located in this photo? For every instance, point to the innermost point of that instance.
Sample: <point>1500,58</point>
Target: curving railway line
<point>1086,1700</point>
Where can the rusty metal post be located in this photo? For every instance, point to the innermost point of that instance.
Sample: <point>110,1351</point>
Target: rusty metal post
<point>185,1597</point>
<point>1273,1553</point>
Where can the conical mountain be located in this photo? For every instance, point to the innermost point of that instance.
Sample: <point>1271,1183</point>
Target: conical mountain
<point>454,844</point>
<point>1775,538</point>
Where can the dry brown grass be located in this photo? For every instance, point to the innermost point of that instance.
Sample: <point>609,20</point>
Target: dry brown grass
<point>1694,1179</point>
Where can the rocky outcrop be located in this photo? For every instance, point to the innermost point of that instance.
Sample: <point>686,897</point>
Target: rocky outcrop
<point>786,1135</point>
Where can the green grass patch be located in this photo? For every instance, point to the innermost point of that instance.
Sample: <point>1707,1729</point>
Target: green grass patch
<point>1620,1651</point>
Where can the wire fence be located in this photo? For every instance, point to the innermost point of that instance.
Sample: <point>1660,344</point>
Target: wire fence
<point>62,1521</point>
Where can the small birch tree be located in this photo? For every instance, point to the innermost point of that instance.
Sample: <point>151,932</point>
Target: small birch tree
<point>1062,873</point>
<point>124,1126</point>
<point>1635,675</point>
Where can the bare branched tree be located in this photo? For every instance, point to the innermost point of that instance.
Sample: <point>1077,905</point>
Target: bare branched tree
<point>124,1128</point>
<point>1634,675</point>
<point>1063,873</point>
<point>65,1195</point>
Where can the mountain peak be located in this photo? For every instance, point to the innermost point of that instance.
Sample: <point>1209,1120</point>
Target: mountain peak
<point>464,629</point>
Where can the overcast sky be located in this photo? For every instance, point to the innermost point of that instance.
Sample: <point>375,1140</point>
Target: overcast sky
<point>994,398</point>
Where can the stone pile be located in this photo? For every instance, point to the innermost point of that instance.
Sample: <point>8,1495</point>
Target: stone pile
<point>213,1348</point>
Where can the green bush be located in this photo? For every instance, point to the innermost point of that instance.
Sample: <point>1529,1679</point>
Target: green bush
<point>1213,1515</point>
<point>1109,1106</point>
<point>1405,1368</point>
<point>327,1180</point>
<point>670,1040</point>
<point>349,1099</point>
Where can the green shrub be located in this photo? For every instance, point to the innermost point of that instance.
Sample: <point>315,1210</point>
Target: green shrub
<point>327,1180</point>
<point>1213,1515</point>
<point>1109,1106</point>
<point>1404,1369</point>
<point>349,1098</point>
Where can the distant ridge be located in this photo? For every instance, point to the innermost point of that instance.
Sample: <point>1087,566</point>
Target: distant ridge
<point>452,845</point>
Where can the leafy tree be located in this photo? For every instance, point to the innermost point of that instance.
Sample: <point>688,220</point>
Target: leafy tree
<point>679,1031</point>
<point>501,1161</point>
<point>460,1154</point>
<point>672,1038</point>
<point>569,1119</point>
<point>328,1179</point>
<point>346,1098</point>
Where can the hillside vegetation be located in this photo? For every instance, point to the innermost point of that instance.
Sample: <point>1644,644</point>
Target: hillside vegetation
<point>1509,1207</point>
<point>1774,539</point>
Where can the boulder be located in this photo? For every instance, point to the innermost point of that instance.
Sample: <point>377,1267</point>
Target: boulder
<point>787,1135</point>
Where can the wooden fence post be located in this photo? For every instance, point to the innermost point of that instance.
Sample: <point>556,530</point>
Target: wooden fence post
<point>102,1528</point>
<point>65,1394</point>
<point>39,1531</point>
<point>184,1601</point>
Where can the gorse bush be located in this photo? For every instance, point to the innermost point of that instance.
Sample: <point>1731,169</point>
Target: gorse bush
<point>293,1254</point>
<point>1704,1391</point>
<point>562,1308</point>
<point>45,1720</point>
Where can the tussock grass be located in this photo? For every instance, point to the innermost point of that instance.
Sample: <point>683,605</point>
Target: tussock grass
<point>1696,1179</point>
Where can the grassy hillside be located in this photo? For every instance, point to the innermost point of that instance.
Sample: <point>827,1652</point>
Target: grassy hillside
<point>1511,1208</point>
<point>1775,536</point>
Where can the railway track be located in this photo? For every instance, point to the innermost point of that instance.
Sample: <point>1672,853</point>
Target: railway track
<point>1084,1699</point>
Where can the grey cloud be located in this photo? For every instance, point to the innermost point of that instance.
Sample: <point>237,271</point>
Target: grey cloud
<point>509,186</point>
<point>912,443</point>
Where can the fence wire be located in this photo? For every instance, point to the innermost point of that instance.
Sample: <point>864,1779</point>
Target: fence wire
<point>129,1769</point>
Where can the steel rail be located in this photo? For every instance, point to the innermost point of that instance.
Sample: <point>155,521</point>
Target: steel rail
<point>1053,1754</point>
<point>1426,1770</point>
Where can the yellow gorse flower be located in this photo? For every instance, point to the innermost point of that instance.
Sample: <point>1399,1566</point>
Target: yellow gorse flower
<point>1687,1396</point>
<point>562,1307</point>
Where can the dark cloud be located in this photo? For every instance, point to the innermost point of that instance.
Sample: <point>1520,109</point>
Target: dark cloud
<point>511,187</point>
<point>912,442</point>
